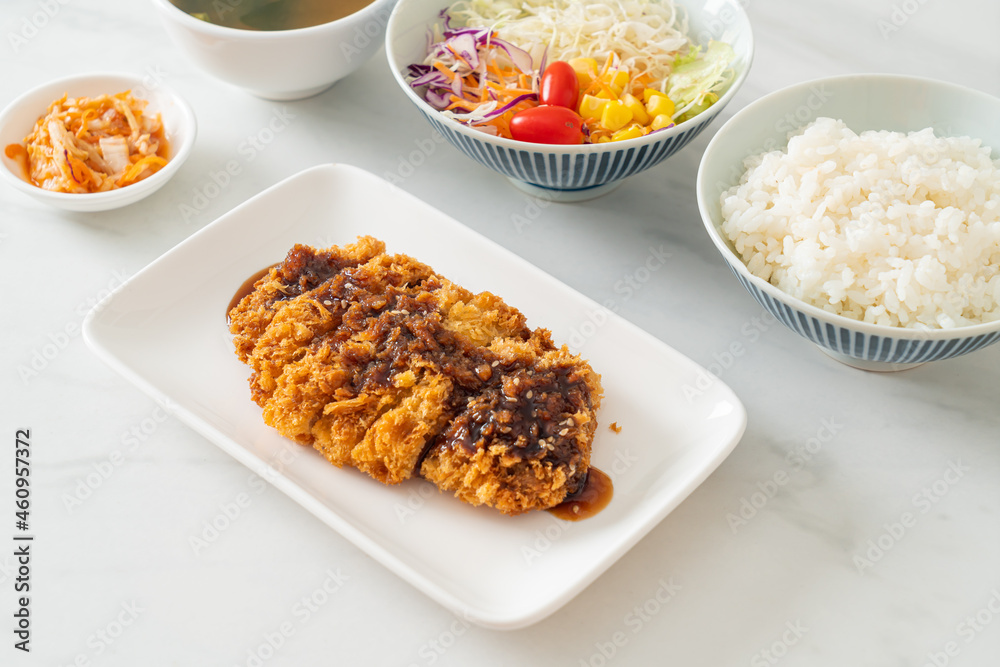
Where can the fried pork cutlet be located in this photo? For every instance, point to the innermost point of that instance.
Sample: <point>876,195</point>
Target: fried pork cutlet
<point>382,364</point>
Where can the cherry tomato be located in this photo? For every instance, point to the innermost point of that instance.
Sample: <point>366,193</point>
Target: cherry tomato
<point>559,86</point>
<point>547,125</point>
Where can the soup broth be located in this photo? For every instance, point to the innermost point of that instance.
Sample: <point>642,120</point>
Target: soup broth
<point>270,14</point>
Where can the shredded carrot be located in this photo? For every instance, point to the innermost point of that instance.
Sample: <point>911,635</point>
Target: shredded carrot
<point>149,161</point>
<point>639,83</point>
<point>599,85</point>
<point>508,91</point>
<point>84,119</point>
<point>459,103</point>
<point>79,171</point>
<point>502,125</point>
<point>491,67</point>
<point>444,70</point>
<point>458,56</point>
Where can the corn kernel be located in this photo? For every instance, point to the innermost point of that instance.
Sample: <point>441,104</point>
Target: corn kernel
<point>648,93</point>
<point>660,104</point>
<point>633,131</point>
<point>603,139</point>
<point>661,121</point>
<point>605,95</point>
<point>616,116</point>
<point>618,81</point>
<point>639,114</point>
<point>591,107</point>
<point>586,70</point>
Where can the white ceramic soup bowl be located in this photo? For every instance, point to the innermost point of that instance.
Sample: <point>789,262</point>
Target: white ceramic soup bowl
<point>279,64</point>
<point>561,172</point>
<point>20,116</point>
<point>863,102</point>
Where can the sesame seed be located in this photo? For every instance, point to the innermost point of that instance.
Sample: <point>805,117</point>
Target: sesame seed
<point>541,443</point>
<point>564,431</point>
<point>328,303</point>
<point>529,394</point>
<point>495,364</point>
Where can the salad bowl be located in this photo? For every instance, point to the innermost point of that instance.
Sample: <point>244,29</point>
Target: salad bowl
<point>568,172</point>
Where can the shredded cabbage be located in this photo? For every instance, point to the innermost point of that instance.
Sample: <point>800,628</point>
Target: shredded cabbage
<point>699,75</point>
<point>644,36</point>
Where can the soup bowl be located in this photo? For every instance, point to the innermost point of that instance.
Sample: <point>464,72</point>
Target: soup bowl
<point>279,64</point>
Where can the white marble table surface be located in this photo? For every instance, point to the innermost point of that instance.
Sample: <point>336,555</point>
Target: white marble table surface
<point>115,581</point>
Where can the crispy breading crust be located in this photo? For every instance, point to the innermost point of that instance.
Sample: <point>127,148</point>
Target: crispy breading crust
<point>381,364</point>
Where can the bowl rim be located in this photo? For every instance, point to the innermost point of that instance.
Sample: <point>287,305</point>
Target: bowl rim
<point>393,58</point>
<point>93,200</point>
<point>736,263</point>
<point>221,31</point>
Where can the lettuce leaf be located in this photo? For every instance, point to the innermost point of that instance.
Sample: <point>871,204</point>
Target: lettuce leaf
<point>697,73</point>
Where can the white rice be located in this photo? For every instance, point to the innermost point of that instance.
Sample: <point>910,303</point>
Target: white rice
<point>884,227</point>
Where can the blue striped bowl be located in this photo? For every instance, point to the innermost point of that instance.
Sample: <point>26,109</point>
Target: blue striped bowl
<point>890,102</point>
<point>568,173</point>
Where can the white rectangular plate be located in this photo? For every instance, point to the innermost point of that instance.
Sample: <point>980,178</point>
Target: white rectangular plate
<point>165,330</point>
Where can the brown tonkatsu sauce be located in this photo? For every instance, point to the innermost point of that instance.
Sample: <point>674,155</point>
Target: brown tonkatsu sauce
<point>301,271</point>
<point>246,288</point>
<point>589,500</point>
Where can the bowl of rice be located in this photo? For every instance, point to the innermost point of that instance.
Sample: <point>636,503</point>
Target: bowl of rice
<point>863,212</point>
<point>697,54</point>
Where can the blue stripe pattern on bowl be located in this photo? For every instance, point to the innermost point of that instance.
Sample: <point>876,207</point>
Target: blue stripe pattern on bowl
<point>569,171</point>
<point>863,346</point>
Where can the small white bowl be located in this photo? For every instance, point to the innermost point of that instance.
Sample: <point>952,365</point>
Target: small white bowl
<point>279,64</point>
<point>20,116</point>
